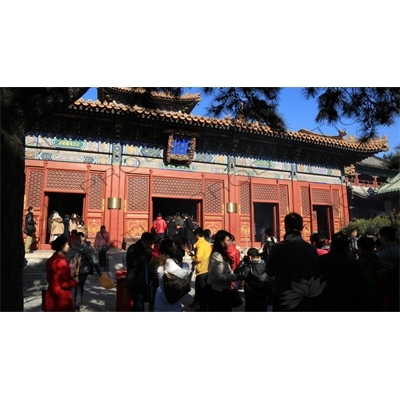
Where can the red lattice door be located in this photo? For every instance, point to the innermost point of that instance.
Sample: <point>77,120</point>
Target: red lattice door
<point>305,211</point>
<point>283,210</point>
<point>245,214</point>
<point>136,207</point>
<point>214,204</point>
<point>95,203</point>
<point>322,211</point>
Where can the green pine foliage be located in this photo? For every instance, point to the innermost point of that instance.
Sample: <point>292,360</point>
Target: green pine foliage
<point>372,225</point>
<point>370,107</point>
<point>393,159</point>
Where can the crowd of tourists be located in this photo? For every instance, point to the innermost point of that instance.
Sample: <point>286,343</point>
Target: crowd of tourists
<point>342,274</point>
<point>175,226</point>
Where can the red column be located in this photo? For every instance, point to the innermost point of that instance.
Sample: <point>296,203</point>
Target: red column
<point>114,216</point>
<point>252,232</point>
<point>44,211</point>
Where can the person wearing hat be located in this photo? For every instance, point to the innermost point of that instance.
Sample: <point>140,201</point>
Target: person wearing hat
<point>57,227</point>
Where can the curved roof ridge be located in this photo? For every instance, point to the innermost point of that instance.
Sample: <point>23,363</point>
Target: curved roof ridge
<point>303,135</point>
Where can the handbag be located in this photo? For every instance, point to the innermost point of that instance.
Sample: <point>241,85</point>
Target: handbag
<point>106,282</point>
<point>235,298</point>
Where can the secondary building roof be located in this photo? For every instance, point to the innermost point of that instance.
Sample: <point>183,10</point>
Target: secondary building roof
<point>390,188</point>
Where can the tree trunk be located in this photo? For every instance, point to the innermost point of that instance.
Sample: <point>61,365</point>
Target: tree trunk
<point>20,109</point>
<point>12,198</point>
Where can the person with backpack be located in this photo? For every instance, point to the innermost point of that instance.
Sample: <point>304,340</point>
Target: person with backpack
<point>256,281</point>
<point>83,255</point>
<point>270,240</point>
<point>172,229</point>
<point>166,264</point>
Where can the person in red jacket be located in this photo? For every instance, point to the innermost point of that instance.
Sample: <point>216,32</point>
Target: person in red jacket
<point>160,226</point>
<point>233,254</point>
<point>58,274</point>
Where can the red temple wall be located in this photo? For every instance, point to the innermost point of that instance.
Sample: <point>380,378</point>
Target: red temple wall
<point>214,191</point>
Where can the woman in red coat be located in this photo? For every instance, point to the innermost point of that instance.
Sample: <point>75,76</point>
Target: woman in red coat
<point>58,273</point>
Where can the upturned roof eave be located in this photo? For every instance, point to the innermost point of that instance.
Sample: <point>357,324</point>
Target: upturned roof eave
<point>193,122</point>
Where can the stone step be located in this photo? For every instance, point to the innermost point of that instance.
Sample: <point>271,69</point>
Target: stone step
<point>31,278</point>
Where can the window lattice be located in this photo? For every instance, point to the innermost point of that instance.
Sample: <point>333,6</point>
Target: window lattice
<point>265,192</point>
<point>245,198</point>
<point>35,182</point>
<point>213,197</point>
<point>96,192</point>
<point>336,204</point>
<point>177,187</point>
<point>305,201</point>
<point>66,180</point>
<point>283,200</point>
<point>321,196</point>
<point>137,193</point>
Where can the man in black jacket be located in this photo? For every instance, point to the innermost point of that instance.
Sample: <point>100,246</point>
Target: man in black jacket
<point>171,227</point>
<point>343,277</point>
<point>138,258</point>
<point>189,228</point>
<point>29,230</point>
<point>293,262</point>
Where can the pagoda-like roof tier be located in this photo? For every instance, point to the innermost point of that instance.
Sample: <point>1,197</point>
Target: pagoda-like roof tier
<point>155,99</point>
<point>127,124</point>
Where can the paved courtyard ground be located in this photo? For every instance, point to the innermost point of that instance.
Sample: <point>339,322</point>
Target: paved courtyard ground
<point>95,298</point>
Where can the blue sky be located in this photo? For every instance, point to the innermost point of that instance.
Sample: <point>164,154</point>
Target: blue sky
<point>299,113</point>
